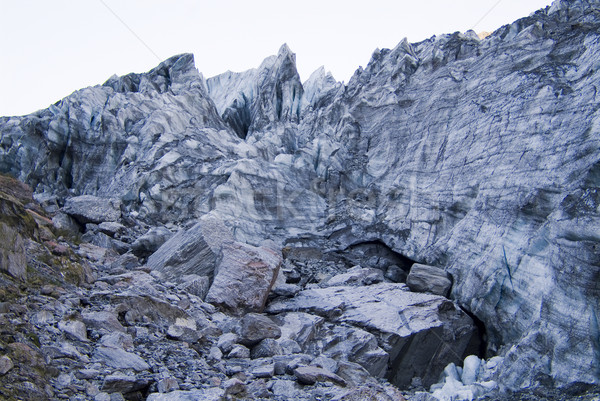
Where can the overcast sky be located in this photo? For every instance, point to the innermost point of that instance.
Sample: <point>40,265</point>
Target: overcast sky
<point>51,48</point>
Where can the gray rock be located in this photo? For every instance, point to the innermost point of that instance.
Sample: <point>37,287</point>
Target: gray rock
<point>112,228</point>
<point>356,276</point>
<point>195,285</point>
<point>299,327</point>
<point>102,320</point>
<point>255,328</point>
<point>423,278</point>
<point>92,209</point>
<point>126,261</point>
<point>227,341</point>
<point>117,340</point>
<point>119,359</point>
<point>184,330</point>
<point>289,347</point>
<point>258,389</point>
<point>215,354</point>
<point>312,374</point>
<point>148,243</point>
<point>353,373</point>
<point>286,290</point>
<point>288,390</point>
<point>239,351</point>
<point>194,251</point>
<point>234,387</point>
<point>265,349</point>
<point>244,278</point>
<point>266,371</point>
<point>102,397</point>
<point>167,384</point>
<point>6,364</point>
<point>120,383</point>
<point>395,274</point>
<point>74,329</point>
<point>325,363</point>
<point>65,223</point>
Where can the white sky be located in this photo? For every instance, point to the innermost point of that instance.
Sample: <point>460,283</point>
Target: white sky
<point>51,48</point>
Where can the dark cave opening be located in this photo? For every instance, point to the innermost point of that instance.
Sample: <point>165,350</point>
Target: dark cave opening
<point>478,345</point>
<point>239,117</point>
<point>376,254</point>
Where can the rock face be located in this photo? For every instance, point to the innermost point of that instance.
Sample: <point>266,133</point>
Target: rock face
<point>478,157</point>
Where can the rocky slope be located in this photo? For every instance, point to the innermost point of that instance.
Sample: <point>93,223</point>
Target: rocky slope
<point>477,157</point>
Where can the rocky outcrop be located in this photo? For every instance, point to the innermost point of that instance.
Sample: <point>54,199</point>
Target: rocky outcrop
<point>194,251</point>
<point>478,157</point>
<point>416,335</point>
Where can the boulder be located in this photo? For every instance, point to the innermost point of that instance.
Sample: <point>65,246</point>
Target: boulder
<point>255,328</point>
<point>148,243</point>
<point>197,250</point>
<point>298,326</point>
<point>74,329</point>
<point>65,223</point>
<point>227,341</point>
<point>184,330</point>
<point>102,320</point>
<point>395,274</point>
<point>234,387</point>
<point>244,278</point>
<point>121,383</point>
<point>266,348</point>
<point>112,228</point>
<point>239,351</point>
<point>119,359</point>
<point>430,279</point>
<point>92,209</point>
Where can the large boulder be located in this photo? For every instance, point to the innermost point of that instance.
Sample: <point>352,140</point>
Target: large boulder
<point>431,279</point>
<point>244,278</point>
<point>197,250</point>
<point>148,243</point>
<point>255,328</point>
<point>92,209</point>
